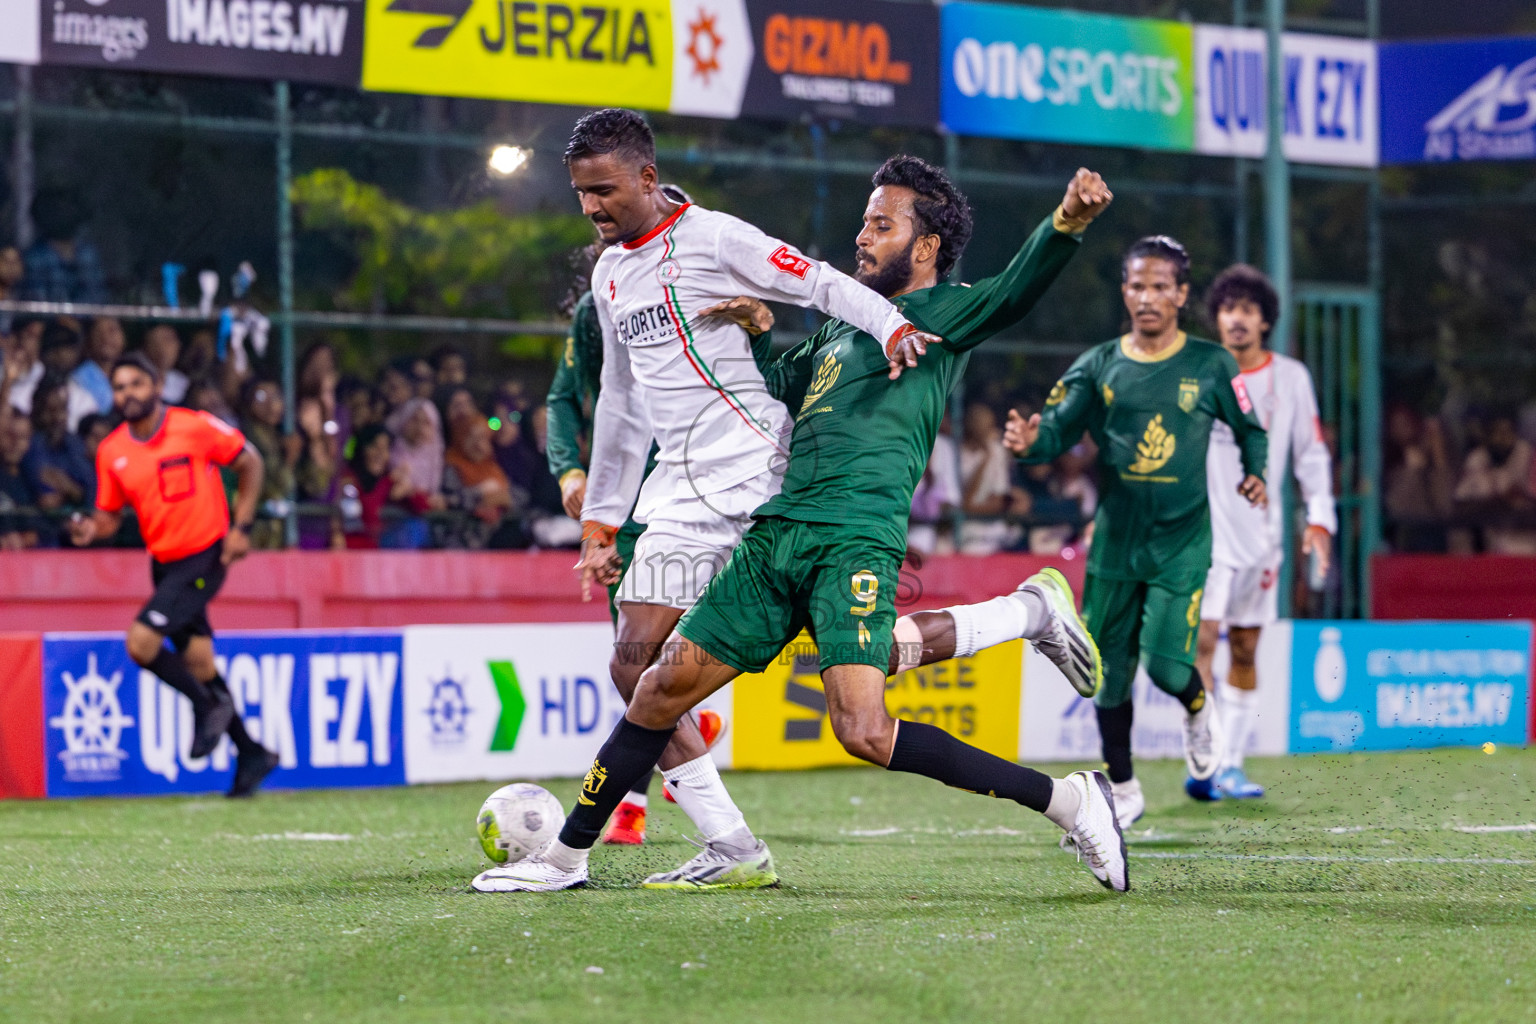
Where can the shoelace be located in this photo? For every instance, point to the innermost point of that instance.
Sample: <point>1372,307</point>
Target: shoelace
<point>1083,845</point>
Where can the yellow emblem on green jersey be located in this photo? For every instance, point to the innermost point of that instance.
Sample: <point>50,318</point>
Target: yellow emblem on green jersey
<point>1058,392</point>
<point>1155,450</point>
<point>1189,394</point>
<point>1109,396</point>
<point>570,350</point>
<point>826,376</point>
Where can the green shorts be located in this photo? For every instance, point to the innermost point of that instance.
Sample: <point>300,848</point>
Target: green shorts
<point>1132,619</point>
<point>786,576</point>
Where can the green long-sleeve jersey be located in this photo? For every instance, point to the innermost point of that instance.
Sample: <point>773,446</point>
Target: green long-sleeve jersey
<point>573,393</point>
<point>1151,419</point>
<point>861,441</point>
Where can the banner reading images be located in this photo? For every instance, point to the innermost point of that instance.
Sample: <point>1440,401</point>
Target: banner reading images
<point>859,60</point>
<point>690,57</point>
<point>1027,73</point>
<point>300,40</point>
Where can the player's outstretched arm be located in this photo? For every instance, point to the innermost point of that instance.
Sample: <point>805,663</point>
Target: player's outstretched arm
<point>1045,435</point>
<point>1019,434</point>
<point>85,530</point>
<point>566,417</point>
<point>249,470</point>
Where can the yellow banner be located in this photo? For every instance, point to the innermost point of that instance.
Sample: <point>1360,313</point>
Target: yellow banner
<point>574,53</point>
<point>779,717</point>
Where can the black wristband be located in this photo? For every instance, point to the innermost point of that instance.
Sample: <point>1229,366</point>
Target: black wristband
<point>245,528</point>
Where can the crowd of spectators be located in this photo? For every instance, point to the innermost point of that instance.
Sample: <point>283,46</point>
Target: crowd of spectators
<point>1463,486</point>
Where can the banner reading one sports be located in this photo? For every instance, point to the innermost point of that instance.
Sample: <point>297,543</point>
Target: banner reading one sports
<point>858,60</point>
<point>327,703</point>
<point>302,40</point>
<point>1472,100</point>
<point>1329,85</point>
<point>1026,73</point>
<point>1408,685</point>
<point>687,56</point>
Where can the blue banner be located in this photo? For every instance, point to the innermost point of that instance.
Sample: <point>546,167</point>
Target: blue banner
<point>1408,685</point>
<point>329,704</point>
<point>1472,100</point>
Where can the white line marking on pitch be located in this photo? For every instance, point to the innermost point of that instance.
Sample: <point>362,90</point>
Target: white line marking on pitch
<point>305,837</point>
<point>1323,858</point>
<point>1530,827</point>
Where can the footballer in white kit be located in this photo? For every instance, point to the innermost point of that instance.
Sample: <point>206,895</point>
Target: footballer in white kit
<point>1242,587</point>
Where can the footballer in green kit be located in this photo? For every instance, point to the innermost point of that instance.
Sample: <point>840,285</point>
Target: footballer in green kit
<point>825,552</point>
<point>1149,400</point>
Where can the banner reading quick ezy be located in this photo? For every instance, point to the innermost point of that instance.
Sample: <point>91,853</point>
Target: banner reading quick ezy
<point>328,704</point>
<point>1025,73</point>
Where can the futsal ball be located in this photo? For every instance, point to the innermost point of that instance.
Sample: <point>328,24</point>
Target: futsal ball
<point>517,820</point>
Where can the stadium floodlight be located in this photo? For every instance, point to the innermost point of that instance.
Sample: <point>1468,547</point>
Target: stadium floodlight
<point>506,161</point>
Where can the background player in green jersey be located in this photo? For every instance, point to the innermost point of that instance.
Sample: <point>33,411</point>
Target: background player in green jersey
<point>1149,399</point>
<point>825,552</point>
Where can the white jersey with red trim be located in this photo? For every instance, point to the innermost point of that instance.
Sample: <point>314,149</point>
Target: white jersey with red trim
<point>1246,537</point>
<point>692,385</point>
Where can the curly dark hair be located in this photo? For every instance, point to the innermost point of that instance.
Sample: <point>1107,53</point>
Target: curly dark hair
<point>1159,247</point>
<point>1241,281</point>
<point>612,130</point>
<point>941,208</point>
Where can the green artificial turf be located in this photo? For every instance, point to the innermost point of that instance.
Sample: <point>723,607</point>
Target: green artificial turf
<point>1350,893</point>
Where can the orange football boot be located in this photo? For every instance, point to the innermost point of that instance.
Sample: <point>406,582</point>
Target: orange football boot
<point>627,826</point>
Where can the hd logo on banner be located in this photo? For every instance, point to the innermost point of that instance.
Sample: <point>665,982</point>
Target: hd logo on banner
<point>1401,686</point>
<point>1330,90</point>
<point>327,703</point>
<point>686,56</point>
<point>1026,73</point>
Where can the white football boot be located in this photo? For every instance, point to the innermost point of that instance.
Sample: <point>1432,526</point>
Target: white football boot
<point>1130,804</point>
<point>1203,744</point>
<point>720,866</point>
<point>531,874</point>
<point>1067,642</point>
<point>1095,836</point>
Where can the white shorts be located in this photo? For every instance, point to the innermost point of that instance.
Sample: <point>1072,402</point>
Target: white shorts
<point>1246,598</point>
<point>687,541</point>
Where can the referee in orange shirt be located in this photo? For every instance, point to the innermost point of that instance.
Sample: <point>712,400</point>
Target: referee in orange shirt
<point>164,461</point>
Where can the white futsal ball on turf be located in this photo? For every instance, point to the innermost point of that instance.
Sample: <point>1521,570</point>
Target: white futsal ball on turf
<point>518,819</point>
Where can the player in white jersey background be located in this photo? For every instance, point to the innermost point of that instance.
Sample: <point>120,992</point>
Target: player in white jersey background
<point>1248,542</point>
<point>689,382</point>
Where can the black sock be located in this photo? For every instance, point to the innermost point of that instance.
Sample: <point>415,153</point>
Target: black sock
<point>242,739</point>
<point>1193,695</point>
<point>642,785</point>
<point>924,749</point>
<point>629,752</point>
<point>169,666</point>
<point>1115,738</point>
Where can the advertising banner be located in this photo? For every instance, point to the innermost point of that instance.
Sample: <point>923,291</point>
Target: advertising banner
<point>688,57</point>
<point>1407,685</point>
<point>19,38</point>
<point>779,718</point>
<point>859,60</point>
<point>1027,73</point>
<point>1058,725</point>
<point>21,715</point>
<point>327,703</point>
<point>1330,90</point>
<point>301,40</point>
<point>1471,100</point>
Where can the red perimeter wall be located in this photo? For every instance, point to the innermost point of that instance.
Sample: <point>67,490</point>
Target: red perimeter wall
<point>103,590</point>
<point>1453,587</point>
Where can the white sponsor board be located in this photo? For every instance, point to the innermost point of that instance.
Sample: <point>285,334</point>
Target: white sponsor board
<point>1055,724</point>
<point>1332,102</point>
<point>711,58</point>
<point>527,701</point>
<point>20,39</point>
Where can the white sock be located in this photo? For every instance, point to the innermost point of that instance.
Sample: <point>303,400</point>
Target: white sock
<point>909,644</point>
<point>566,858</point>
<point>1066,801</point>
<point>697,788</point>
<point>636,799</point>
<point>979,626</point>
<point>1239,710</point>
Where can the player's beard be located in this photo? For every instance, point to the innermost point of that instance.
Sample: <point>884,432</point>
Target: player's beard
<point>133,409</point>
<point>889,277</point>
